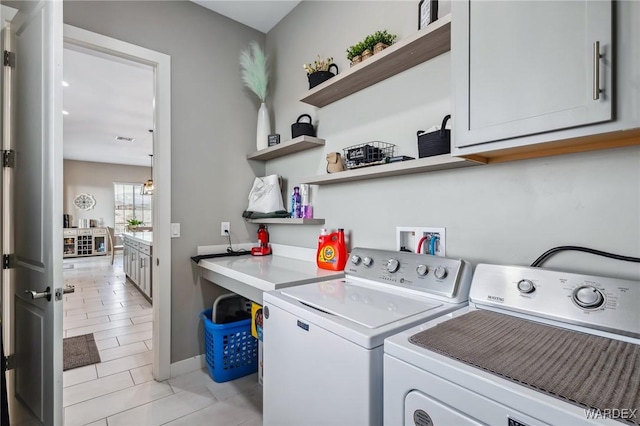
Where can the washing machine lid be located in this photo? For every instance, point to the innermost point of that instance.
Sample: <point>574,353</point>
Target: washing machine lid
<point>370,307</point>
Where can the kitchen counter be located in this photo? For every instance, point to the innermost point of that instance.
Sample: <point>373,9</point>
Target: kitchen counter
<point>141,237</point>
<point>250,276</point>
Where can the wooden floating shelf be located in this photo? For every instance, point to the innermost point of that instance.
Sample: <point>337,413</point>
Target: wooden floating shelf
<point>420,165</point>
<point>426,44</point>
<point>301,143</point>
<point>287,221</point>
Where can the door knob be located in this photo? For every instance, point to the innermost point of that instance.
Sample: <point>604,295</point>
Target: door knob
<point>35,295</point>
<point>69,289</point>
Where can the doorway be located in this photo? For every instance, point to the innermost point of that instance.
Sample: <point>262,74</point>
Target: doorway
<point>78,39</point>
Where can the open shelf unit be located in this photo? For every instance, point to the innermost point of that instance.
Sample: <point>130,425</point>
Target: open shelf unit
<point>287,221</point>
<point>420,165</point>
<point>426,44</point>
<point>301,143</point>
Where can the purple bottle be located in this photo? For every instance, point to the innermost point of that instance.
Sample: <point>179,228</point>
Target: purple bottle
<point>296,206</point>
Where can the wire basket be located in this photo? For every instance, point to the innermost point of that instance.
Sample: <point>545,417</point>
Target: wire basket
<point>367,154</point>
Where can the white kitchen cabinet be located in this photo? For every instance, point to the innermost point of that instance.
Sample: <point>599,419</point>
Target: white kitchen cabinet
<point>527,74</point>
<point>137,263</point>
<point>84,242</point>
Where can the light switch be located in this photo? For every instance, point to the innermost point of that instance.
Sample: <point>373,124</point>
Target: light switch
<point>175,230</point>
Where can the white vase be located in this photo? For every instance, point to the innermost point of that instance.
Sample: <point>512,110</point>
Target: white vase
<point>264,127</point>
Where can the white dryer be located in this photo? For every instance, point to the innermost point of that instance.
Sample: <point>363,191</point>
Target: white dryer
<point>323,342</point>
<point>534,347</point>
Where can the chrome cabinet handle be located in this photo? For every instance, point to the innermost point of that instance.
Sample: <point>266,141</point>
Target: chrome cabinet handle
<point>596,70</point>
<point>35,295</point>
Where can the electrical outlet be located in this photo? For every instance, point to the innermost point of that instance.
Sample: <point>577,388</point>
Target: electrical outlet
<point>225,227</point>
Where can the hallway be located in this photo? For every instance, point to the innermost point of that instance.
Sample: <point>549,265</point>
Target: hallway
<point>120,390</point>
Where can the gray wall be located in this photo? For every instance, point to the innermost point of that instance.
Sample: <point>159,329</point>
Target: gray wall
<point>507,213</point>
<point>213,128</point>
<point>96,179</point>
<point>503,213</point>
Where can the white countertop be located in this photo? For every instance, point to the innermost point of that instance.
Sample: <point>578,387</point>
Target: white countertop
<point>141,237</point>
<point>249,275</point>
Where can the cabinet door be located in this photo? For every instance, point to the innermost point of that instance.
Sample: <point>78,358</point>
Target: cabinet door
<point>133,266</point>
<point>145,273</point>
<point>125,258</point>
<point>527,67</point>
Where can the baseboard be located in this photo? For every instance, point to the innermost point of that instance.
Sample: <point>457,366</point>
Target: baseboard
<point>188,365</point>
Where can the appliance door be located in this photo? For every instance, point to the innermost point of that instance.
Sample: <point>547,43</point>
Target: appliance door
<point>420,410</point>
<point>313,376</point>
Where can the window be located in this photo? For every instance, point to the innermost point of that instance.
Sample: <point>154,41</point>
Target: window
<point>130,204</point>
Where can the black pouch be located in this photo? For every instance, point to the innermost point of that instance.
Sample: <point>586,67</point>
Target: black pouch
<point>435,143</point>
<point>299,129</point>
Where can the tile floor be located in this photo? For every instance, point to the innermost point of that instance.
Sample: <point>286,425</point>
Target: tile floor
<point>120,390</point>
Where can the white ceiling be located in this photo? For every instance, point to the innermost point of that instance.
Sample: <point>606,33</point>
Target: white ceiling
<point>109,97</point>
<point>260,15</point>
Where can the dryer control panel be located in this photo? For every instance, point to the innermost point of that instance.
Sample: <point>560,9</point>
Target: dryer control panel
<point>439,277</point>
<point>607,304</point>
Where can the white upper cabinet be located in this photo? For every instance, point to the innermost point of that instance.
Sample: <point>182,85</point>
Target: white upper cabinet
<point>532,72</point>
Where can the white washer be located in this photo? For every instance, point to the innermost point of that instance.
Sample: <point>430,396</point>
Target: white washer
<point>426,385</point>
<point>323,342</point>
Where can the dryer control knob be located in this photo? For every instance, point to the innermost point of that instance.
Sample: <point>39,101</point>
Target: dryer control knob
<point>355,259</point>
<point>393,265</point>
<point>422,270</point>
<point>588,297</point>
<point>526,286</point>
<point>367,261</point>
<point>440,272</point>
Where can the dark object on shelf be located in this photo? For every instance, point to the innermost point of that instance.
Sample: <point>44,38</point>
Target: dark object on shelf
<point>320,77</point>
<point>248,214</point>
<point>197,259</point>
<point>334,162</point>
<point>427,12</point>
<point>435,143</point>
<point>368,154</point>
<point>398,158</point>
<point>66,220</point>
<point>301,128</point>
<point>273,139</point>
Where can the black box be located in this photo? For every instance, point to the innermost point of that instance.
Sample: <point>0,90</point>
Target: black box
<point>273,139</point>
<point>435,143</point>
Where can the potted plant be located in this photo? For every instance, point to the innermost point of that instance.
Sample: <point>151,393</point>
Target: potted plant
<point>133,223</point>
<point>368,47</point>
<point>320,71</point>
<point>373,43</point>
<point>354,53</point>
<point>381,40</point>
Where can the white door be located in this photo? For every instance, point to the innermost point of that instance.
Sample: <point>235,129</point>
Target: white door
<point>35,133</point>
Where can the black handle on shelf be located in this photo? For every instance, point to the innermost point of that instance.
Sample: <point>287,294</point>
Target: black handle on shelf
<point>444,123</point>
<point>304,115</point>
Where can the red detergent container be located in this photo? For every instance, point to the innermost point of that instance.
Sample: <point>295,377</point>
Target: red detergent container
<point>332,251</point>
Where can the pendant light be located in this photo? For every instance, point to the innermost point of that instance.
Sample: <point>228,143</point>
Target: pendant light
<point>147,187</point>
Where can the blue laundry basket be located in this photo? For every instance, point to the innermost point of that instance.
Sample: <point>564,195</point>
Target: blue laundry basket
<point>231,350</point>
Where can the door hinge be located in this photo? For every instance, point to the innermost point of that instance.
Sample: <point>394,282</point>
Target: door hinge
<point>9,363</point>
<point>6,261</point>
<point>9,59</point>
<point>8,158</point>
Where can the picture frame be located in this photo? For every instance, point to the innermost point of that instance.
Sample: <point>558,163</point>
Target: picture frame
<point>427,12</point>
